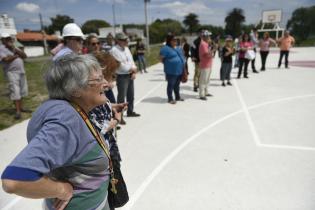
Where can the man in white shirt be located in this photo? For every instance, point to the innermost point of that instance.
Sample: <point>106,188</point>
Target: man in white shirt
<point>126,73</point>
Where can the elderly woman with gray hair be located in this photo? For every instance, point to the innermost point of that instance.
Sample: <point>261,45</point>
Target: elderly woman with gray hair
<point>66,161</point>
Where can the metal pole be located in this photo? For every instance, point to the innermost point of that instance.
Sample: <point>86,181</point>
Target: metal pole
<point>114,17</point>
<point>43,33</point>
<point>146,23</point>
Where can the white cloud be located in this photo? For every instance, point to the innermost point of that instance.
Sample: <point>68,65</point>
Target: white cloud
<point>27,7</point>
<point>181,9</point>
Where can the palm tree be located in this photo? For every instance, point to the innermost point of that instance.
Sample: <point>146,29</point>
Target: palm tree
<point>233,21</point>
<point>191,22</point>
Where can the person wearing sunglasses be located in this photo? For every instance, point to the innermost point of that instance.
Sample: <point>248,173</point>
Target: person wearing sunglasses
<point>93,44</point>
<point>73,40</point>
<point>66,161</point>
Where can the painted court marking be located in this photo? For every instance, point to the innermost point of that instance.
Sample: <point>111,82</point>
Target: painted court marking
<point>168,158</point>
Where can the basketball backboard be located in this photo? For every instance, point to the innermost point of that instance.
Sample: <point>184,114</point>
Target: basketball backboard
<point>271,16</point>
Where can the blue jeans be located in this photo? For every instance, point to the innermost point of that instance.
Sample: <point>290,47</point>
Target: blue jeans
<point>125,89</point>
<point>173,82</point>
<point>141,62</point>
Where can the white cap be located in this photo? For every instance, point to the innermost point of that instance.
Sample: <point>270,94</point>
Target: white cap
<point>72,29</point>
<point>206,33</point>
<point>5,35</point>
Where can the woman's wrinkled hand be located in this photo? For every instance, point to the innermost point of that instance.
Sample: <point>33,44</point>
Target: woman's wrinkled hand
<point>65,196</point>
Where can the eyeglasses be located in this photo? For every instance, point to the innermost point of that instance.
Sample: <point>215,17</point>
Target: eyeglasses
<point>78,39</point>
<point>95,43</point>
<point>99,80</point>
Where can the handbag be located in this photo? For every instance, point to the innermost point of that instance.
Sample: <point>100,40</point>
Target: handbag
<point>250,54</point>
<point>121,197</point>
<point>117,189</point>
<point>184,77</point>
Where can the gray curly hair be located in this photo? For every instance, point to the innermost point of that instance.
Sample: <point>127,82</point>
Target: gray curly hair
<point>68,74</point>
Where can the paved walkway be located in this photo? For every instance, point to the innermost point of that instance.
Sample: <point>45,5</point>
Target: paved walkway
<point>250,147</point>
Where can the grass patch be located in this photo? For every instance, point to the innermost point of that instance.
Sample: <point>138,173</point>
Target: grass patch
<point>34,68</point>
<point>37,93</point>
<point>153,57</point>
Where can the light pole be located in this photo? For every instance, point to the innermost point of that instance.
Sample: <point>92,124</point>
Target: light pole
<point>43,33</point>
<point>114,17</point>
<point>146,23</point>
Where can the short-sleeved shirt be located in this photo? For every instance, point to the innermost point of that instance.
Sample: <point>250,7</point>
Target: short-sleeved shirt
<point>244,45</point>
<point>64,51</point>
<point>173,60</point>
<point>61,146</point>
<point>140,49</point>
<point>286,43</point>
<point>100,116</point>
<point>204,55</point>
<point>228,58</point>
<point>124,56</point>
<point>16,65</point>
<point>265,44</point>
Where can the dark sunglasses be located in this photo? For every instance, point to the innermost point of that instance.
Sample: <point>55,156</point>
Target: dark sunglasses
<point>78,39</point>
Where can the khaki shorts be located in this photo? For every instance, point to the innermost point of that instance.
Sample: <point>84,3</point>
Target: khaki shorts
<point>17,85</point>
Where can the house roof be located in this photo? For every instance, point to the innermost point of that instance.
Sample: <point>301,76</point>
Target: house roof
<point>34,36</point>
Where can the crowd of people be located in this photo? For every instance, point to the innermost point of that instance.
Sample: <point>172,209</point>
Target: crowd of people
<point>72,139</point>
<point>176,51</point>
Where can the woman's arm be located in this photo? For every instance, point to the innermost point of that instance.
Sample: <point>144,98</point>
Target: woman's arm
<point>41,188</point>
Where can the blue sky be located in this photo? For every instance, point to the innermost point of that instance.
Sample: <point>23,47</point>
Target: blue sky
<point>25,12</point>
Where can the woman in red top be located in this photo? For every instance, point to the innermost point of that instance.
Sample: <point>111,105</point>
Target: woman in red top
<point>245,45</point>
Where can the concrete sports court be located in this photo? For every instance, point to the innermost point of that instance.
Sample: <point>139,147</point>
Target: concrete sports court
<point>249,147</point>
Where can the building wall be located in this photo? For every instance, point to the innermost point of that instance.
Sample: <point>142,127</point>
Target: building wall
<point>33,51</point>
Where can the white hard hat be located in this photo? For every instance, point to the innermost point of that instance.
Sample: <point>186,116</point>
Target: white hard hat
<point>206,33</point>
<point>72,29</point>
<point>5,35</point>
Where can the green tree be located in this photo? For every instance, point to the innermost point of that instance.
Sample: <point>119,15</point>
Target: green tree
<point>160,28</point>
<point>92,26</point>
<point>234,21</point>
<point>57,23</point>
<point>191,22</point>
<point>302,22</point>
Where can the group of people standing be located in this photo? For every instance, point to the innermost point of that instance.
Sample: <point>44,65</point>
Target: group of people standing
<point>174,55</point>
<point>72,141</point>
<point>248,45</point>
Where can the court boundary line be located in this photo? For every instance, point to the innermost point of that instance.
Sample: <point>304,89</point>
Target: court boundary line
<point>247,114</point>
<point>139,191</point>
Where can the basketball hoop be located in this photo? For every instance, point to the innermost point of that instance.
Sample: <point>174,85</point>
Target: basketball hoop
<point>273,17</point>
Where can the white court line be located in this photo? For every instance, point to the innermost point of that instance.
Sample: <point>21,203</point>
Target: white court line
<point>280,100</point>
<point>168,158</point>
<point>134,197</point>
<point>247,115</point>
<point>277,146</point>
<point>12,203</point>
